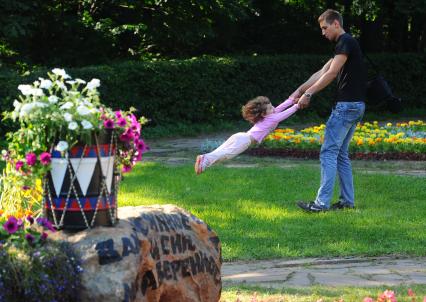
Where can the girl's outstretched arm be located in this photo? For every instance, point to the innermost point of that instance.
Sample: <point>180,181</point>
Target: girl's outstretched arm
<point>287,103</point>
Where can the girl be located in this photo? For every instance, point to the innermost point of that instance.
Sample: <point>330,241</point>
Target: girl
<point>265,118</point>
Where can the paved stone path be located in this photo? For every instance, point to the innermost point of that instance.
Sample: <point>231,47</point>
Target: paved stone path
<point>329,272</point>
<point>304,272</point>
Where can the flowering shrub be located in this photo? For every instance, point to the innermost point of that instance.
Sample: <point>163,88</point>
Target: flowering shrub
<point>55,114</point>
<point>368,137</point>
<point>32,270</point>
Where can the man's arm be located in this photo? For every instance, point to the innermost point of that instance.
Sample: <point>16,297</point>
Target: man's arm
<point>324,80</point>
<point>312,79</point>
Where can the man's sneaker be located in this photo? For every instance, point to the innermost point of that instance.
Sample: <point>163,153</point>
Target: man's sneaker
<point>199,166</point>
<point>340,205</point>
<point>310,207</point>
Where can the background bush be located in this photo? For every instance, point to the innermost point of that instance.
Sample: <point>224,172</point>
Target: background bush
<point>208,89</point>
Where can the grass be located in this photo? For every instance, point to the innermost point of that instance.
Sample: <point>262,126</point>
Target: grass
<point>315,293</point>
<point>254,213</point>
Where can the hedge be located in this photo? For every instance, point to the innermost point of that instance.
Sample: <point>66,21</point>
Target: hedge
<point>205,89</point>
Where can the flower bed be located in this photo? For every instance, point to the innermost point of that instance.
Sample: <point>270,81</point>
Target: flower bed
<point>400,141</point>
<point>33,270</point>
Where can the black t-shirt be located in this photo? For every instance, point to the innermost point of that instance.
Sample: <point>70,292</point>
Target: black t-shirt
<point>352,78</point>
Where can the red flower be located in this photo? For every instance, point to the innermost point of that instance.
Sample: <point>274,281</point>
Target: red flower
<point>31,159</point>
<point>45,158</point>
<point>19,165</point>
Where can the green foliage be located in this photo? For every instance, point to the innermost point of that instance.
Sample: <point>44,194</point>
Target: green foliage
<point>78,33</point>
<point>210,89</point>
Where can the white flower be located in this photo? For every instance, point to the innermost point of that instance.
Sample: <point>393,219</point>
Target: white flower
<point>80,81</point>
<point>17,105</point>
<point>72,126</point>
<point>67,105</point>
<point>71,82</point>
<point>62,146</point>
<point>86,124</point>
<point>61,72</point>
<point>93,84</point>
<point>26,109</point>
<point>36,83</point>
<point>61,85</point>
<point>68,117</point>
<point>25,89</point>
<point>46,84</point>
<point>40,104</point>
<point>37,92</point>
<point>53,99</point>
<point>83,110</point>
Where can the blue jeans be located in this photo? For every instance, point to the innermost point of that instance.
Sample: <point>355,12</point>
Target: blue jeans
<point>334,155</point>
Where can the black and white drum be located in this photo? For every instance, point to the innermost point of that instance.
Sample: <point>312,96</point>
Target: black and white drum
<point>81,189</point>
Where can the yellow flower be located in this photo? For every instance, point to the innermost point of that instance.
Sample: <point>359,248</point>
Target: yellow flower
<point>389,124</point>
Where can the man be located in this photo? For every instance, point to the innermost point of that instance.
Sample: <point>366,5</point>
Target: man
<point>348,66</point>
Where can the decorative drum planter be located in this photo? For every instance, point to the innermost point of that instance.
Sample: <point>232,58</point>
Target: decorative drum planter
<point>80,191</point>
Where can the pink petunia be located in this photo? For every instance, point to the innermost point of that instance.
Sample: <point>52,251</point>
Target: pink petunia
<point>31,159</point>
<point>124,137</point>
<point>45,158</point>
<point>19,165</point>
<point>121,122</point>
<point>109,124</point>
<point>11,225</point>
<point>126,168</point>
<point>141,146</point>
<point>118,114</point>
<point>135,122</point>
<point>368,299</point>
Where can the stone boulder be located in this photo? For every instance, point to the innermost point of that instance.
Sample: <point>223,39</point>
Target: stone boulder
<point>155,254</point>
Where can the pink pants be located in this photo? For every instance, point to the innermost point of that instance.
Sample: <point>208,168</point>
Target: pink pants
<point>236,144</point>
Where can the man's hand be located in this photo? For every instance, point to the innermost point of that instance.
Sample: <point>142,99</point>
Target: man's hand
<point>304,102</point>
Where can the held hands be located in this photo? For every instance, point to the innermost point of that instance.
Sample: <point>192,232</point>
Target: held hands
<point>304,102</point>
<point>300,99</point>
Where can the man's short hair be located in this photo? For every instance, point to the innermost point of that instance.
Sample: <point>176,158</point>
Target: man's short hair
<point>330,15</point>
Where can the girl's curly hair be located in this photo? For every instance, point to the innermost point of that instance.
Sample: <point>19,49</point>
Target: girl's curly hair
<point>255,109</point>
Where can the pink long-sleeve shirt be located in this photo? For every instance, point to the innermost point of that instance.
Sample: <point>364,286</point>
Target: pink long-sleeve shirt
<point>262,128</point>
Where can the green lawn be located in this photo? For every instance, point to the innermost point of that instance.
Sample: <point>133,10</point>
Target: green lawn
<point>254,213</point>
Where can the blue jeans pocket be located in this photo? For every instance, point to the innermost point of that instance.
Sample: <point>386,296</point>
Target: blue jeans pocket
<point>349,113</point>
